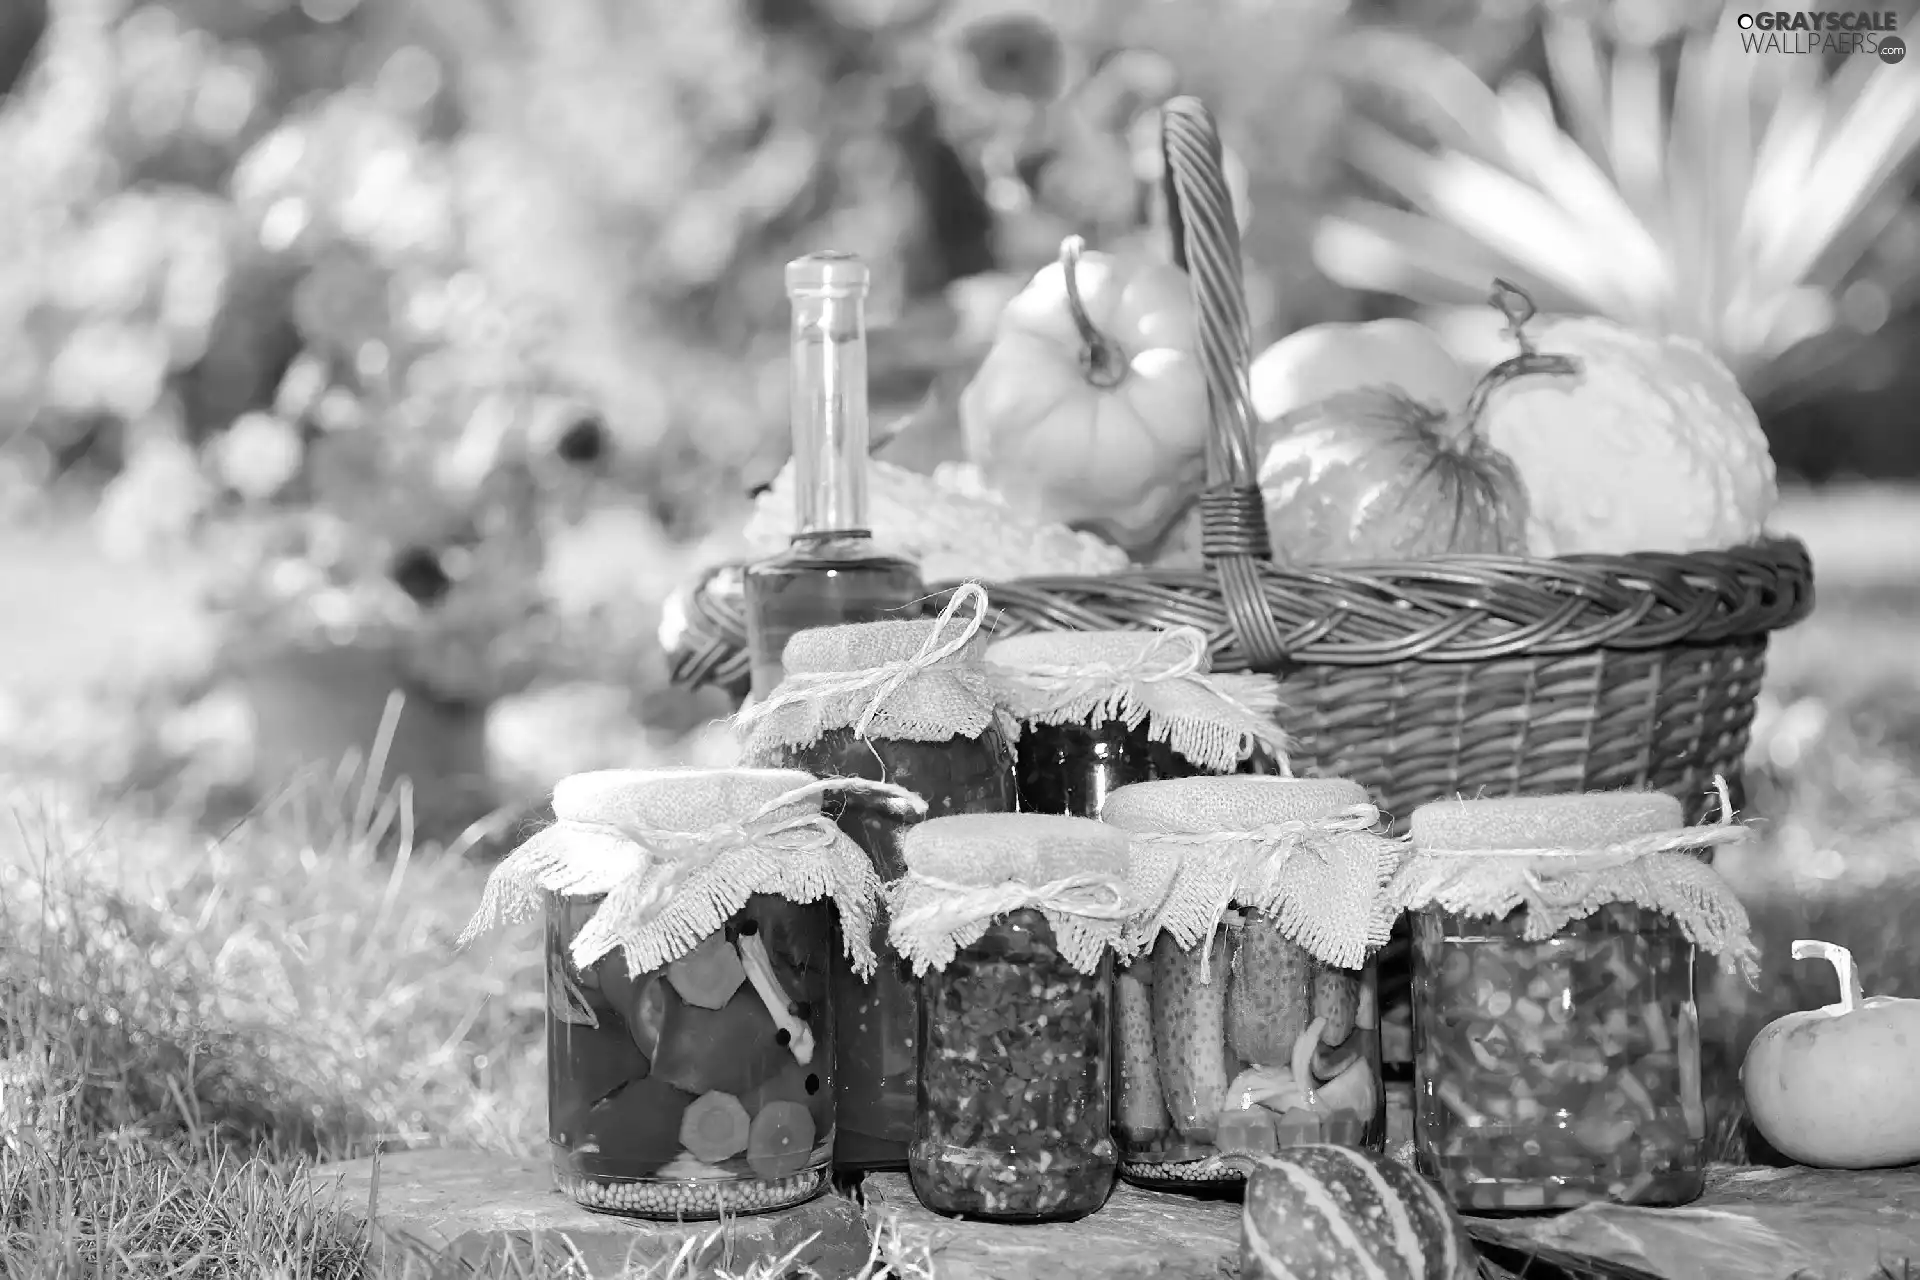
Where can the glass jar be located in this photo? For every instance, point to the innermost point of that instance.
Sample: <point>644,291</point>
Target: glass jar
<point>1273,1049</point>
<point>701,1089</point>
<point>877,1022</point>
<point>1561,1072</point>
<point>1072,768</point>
<point>1014,1094</point>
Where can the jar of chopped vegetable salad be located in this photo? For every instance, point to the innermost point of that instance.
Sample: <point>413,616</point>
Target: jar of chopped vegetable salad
<point>1247,1020</point>
<point>1100,710</point>
<point>1011,920</point>
<point>907,703</point>
<point>691,914</point>
<point>1556,1040</point>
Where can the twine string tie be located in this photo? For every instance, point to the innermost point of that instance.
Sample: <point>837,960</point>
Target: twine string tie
<point>942,642</point>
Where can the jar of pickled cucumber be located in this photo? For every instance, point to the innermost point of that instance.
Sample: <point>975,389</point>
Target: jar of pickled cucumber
<point>1100,710</point>
<point>907,703</point>
<point>1247,1020</point>
<point>691,916</point>
<point>1011,920</point>
<point>1556,1040</point>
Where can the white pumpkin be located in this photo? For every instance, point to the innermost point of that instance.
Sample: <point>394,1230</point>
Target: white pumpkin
<point>1651,446</point>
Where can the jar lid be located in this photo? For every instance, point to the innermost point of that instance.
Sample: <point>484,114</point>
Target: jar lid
<point>1161,679</point>
<point>916,681</point>
<point>967,870</point>
<point>1306,851</point>
<point>1579,820</point>
<point>672,853</point>
<point>1563,857</point>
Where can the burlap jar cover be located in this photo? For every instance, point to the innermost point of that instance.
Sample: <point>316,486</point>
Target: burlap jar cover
<point>919,681</point>
<point>676,852</point>
<point>1305,852</point>
<point>1160,679</point>
<point>966,871</point>
<point>1565,857</point>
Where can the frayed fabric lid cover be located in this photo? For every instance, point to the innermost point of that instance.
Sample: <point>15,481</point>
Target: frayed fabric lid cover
<point>1564,857</point>
<point>1303,850</point>
<point>675,852</point>
<point>919,681</point>
<point>965,871</point>
<point>1162,679</point>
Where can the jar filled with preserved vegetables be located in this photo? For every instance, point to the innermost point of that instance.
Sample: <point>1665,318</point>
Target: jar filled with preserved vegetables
<point>1011,920</point>
<point>1100,710</point>
<point>1556,1040</point>
<point>1248,1019</point>
<point>907,703</point>
<point>691,916</point>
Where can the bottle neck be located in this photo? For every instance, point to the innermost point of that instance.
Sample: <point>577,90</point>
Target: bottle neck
<point>828,390</point>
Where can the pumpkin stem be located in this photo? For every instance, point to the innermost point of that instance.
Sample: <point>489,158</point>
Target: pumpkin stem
<point>1518,308</point>
<point>1102,362</point>
<point>1842,961</point>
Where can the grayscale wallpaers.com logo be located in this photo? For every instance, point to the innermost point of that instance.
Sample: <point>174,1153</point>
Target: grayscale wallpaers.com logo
<point>1802,31</point>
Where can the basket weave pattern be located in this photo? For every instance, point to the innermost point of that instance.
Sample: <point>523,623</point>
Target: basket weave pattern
<point>1456,675</point>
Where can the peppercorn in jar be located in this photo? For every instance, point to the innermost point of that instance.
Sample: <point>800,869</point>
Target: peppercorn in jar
<point>1556,1039</point>
<point>1247,1020</point>
<point>691,915</point>
<point>905,703</point>
<point>1010,919</point>
<point>1100,710</point>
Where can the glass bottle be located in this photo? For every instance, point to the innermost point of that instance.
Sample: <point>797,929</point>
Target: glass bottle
<point>833,572</point>
<point>1560,1072</point>
<point>1015,1072</point>
<point>680,1093</point>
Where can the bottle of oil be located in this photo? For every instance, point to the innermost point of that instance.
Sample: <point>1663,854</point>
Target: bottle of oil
<point>833,572</point>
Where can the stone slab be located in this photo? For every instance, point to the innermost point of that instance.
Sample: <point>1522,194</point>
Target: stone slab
<point>1138,1234</point>
<point>1752,1224</point>
<point>462,1215</point>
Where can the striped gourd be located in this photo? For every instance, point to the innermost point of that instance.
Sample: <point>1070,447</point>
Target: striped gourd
<point>1332,1213</point>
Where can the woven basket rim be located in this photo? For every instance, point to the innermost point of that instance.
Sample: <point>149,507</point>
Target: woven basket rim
<point>1446,609</point>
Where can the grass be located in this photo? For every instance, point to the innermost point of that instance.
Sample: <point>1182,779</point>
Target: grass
<point>189,1020</point>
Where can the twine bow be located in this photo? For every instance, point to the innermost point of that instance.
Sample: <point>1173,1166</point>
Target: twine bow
<point>1088,896</point>
<point>885,680</point>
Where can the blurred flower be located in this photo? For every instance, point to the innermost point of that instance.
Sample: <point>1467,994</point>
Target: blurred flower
<point>155,501</point>
<point>258,455</point>
<point>1739,211</point>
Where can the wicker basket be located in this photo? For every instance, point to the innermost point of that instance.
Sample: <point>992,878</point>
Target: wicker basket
<point>1459,675</point>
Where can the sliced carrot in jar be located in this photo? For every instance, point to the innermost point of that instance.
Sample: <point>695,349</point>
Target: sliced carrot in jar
<point>714,1127</point>
<point>707,976</point>
<point>781,1140</point>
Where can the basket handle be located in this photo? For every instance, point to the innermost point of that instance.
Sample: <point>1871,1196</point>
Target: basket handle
<point>1206,245</point>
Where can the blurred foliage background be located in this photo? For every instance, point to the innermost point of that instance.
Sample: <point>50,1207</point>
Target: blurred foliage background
<point>451,331</point>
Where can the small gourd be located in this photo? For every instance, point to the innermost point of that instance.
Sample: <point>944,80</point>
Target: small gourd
<point>1835,1087</point>
<point>1373,446</point>
<point>1335,1213</point>
<point>1091,407</point>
